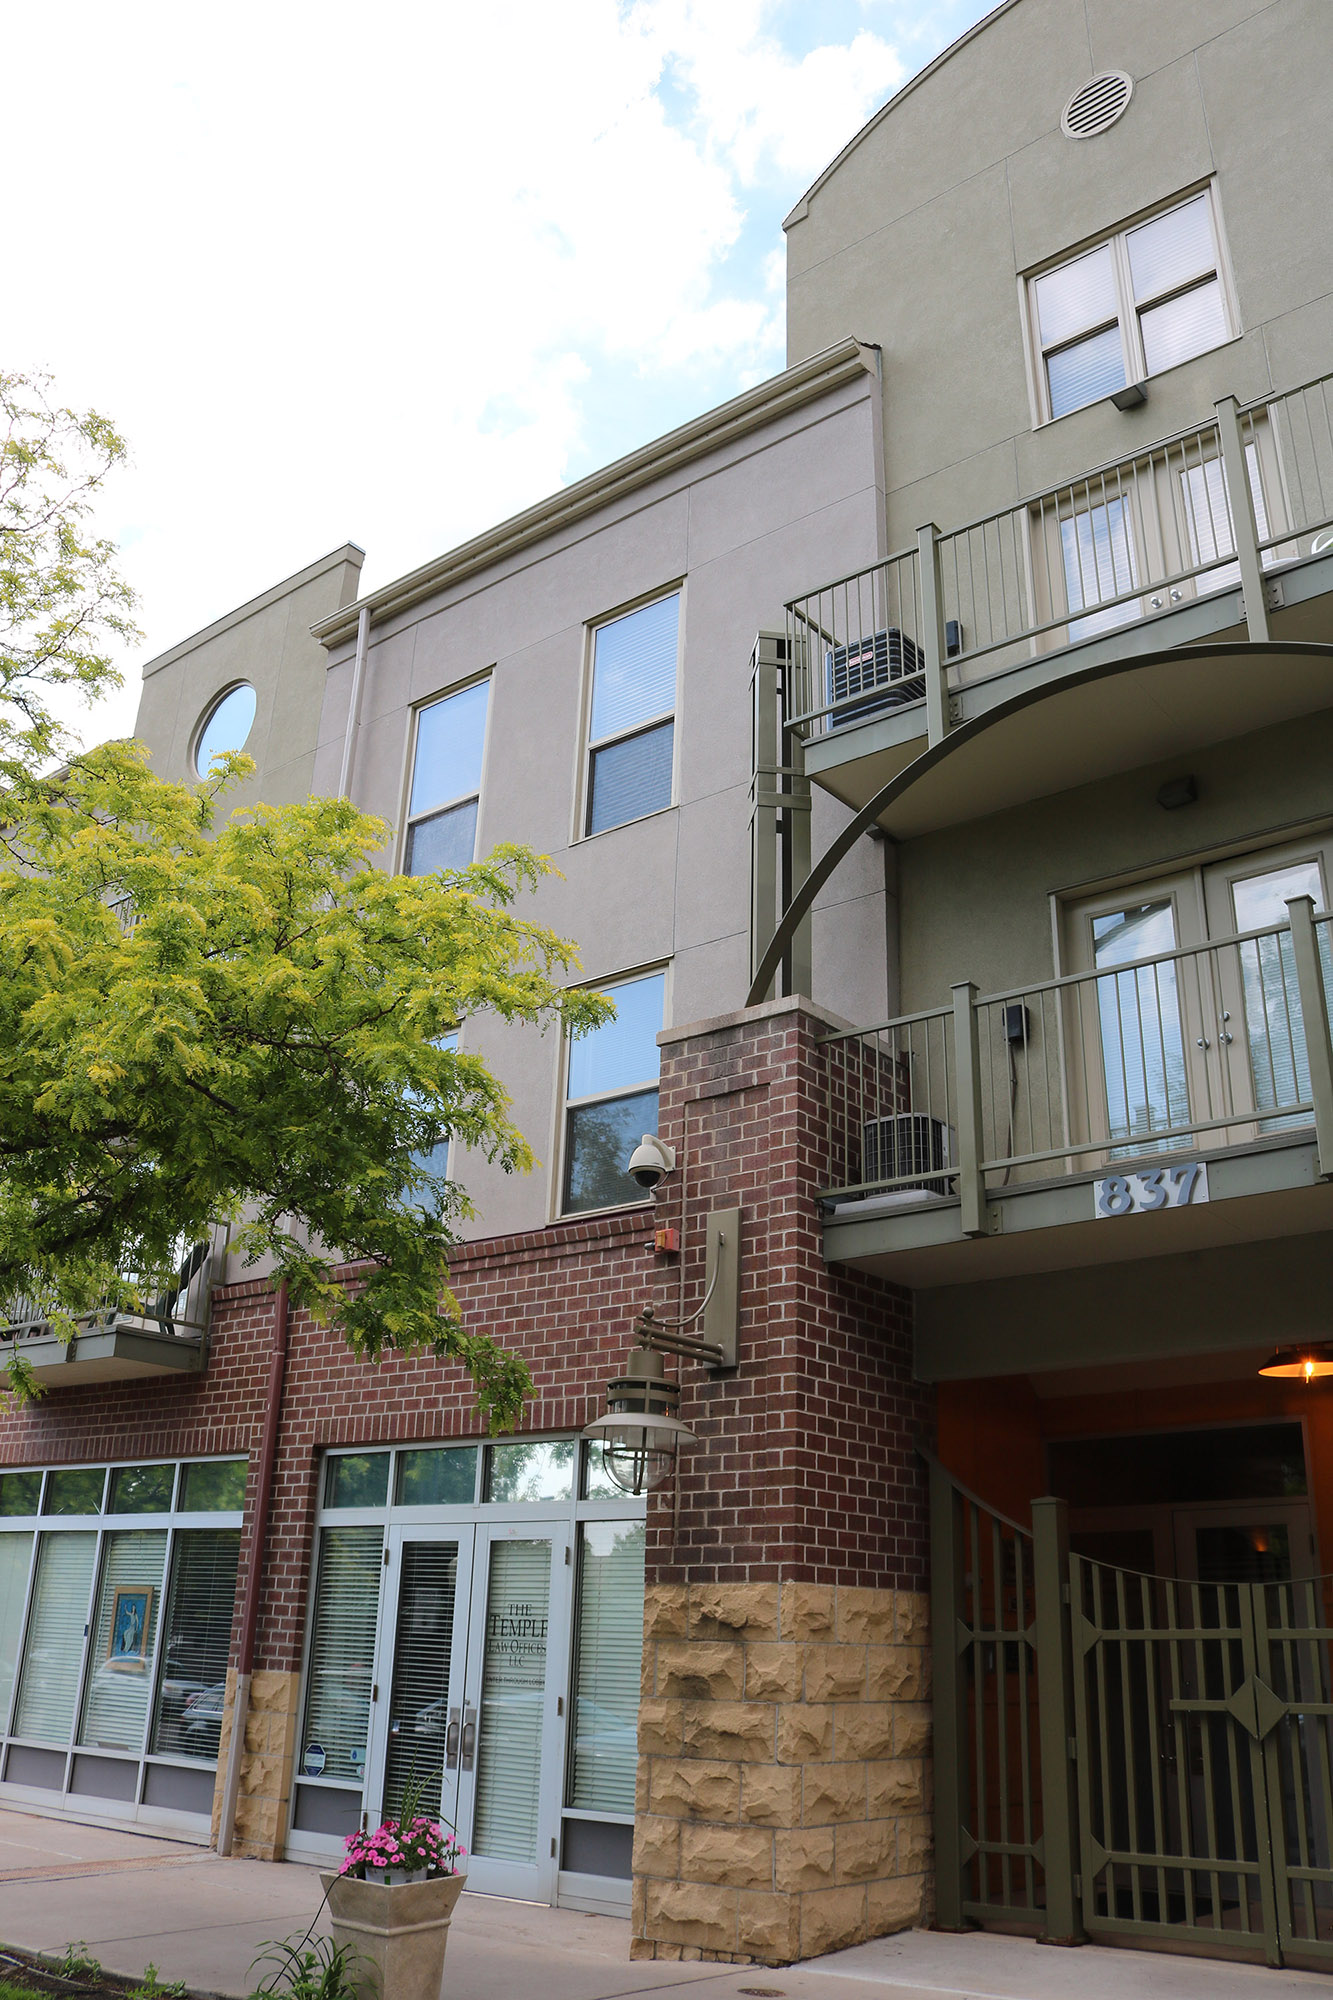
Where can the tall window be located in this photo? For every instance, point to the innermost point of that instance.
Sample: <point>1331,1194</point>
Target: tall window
<point>1143,301</point>
<point>612,1096</point>
<point>632,727</point>
<point>446,782</point>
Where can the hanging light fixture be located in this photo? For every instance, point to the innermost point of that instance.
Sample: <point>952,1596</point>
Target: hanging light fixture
<point>641,1433</point>
<point>1307,1362</point>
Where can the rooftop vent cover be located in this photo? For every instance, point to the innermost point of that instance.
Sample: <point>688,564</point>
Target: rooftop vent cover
<point>1097,105</point>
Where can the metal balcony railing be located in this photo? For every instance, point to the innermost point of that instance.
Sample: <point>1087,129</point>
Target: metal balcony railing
<point>177,1308</point>
<point>1124,542</point>
<point>1212,1046</point>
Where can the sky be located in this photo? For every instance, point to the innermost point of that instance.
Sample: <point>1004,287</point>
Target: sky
<point>390,275</point>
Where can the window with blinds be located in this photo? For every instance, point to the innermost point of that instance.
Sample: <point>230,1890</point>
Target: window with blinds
<point>342,1649</point>
<point>196,1638</point>
<point>129,1598</point>
<point>15,1561</point>
<point>513,1687</point>
<point>632,728</point>
<point>422,1650</point>
<point>612,1096</point>
<point>1145,300</point>
<point>446,782</point>
<point>48,1685</point>
<point>608,1642</point>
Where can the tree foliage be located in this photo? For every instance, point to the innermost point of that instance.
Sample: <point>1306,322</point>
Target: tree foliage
<point>237,1023</point>
<point>62,603</point>
<point>244,1023</point>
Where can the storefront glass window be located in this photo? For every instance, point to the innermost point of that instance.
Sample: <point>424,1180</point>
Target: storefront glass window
<point>15,1558</point>
<point>49,1685</point>
<point>19,1492</point>
<point>141,1489</point>
<point>216,1487</point>
<point>187,1720</point>
<point>342,1649</point>
<point>608,1642</point>
<point>129,1598</point>
<point>75,1492</point>
<point>437,1478</point>
<point>358,1479</point>
<point>540,1470</point>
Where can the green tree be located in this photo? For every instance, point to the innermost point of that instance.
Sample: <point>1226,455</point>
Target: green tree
<point>61,601</point>
<point>236,1022</point>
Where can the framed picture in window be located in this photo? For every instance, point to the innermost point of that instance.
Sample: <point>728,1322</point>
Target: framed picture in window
<point>127,1643</point>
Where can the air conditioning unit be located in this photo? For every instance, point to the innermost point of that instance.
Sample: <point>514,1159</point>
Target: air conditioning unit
<point>886,668</point>
<point>908,1142</point>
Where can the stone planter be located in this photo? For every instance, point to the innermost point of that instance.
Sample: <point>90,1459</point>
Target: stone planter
<point>398,1932</point>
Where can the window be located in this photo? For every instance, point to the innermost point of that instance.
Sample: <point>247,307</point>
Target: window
<point>631,731</point>
<point>226,727</point>
<point>446,782</point>
<point>434,1160</point>
<point>1149,298</point>
<point>1097,549</point>
<point>612,1096</point>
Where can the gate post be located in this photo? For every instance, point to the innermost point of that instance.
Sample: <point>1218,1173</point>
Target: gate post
<point>1055,1721</point>
<point>951,1787</point>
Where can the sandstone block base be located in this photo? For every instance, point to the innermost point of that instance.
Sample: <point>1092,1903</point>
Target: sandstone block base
<point>263,1802</point>
<point>783,1771</point>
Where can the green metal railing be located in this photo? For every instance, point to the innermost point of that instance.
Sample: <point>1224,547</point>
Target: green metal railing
<point>1128,540</point>
<point>1211,1046</point>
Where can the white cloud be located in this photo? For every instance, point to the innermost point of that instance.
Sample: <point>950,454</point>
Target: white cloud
<point>339,274</point>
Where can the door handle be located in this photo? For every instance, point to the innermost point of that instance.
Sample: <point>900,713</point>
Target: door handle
<point>451,1742</point>
<point>469,1737</point>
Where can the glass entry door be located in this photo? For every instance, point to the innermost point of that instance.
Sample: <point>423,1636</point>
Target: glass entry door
<point>475,1674</point>
<point>415,1743</point>
<point>518,1668</point>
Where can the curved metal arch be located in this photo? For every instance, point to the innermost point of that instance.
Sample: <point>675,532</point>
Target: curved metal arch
<point>967,732</point>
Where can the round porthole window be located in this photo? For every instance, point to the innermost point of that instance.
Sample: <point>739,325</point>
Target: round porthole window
<point>226,726</point>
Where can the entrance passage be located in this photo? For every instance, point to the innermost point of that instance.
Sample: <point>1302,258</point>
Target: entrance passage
<point>475,1636</point>
<point>1128,1757</point>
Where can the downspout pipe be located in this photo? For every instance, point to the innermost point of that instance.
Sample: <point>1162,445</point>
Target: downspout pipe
<point>254,1576</point>
<point>354,702</point>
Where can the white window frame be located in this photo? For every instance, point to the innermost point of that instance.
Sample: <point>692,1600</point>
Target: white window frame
<point>565,1104</point>
<point>1128,307</point>
<point>591,745</point>
<point>408,819</point>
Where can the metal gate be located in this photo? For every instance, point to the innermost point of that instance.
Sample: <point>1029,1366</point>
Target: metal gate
<point>1128,1758</point>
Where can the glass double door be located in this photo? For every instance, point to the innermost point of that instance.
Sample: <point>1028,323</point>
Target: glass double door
<point>1196,1043</point>
<point>471,1674</point>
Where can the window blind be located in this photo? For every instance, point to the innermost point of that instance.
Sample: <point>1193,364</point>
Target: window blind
<point>622,1053</point>
<point>451,736</point>
<point>15,1562</point>
<point>447,840</point>
<point>513,1687</point>
<point>1079,295</point>
<point>608,1642</point>
<point>49,1681</point>
<point>634,668</point>
<point>115,1704</point>
<point>342,1648</point>
<point>630,778</point>
<point>422,1651</point>
<point>201,1598</point>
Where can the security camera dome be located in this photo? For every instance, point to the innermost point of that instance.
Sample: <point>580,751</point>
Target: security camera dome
<point>651,1161</point>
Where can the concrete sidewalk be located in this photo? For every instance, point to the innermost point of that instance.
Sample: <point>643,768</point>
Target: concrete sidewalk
<point>130,1899</point>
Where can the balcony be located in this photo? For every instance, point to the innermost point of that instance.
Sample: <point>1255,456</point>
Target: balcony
<point>1174,1103</point>
<point>1128,565</point>
<point>169,1337</point>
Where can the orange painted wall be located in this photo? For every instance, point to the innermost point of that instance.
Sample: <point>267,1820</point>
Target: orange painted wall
<point>993,1434</point>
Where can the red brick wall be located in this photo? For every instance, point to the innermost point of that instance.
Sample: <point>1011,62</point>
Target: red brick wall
<point>805,1468</point>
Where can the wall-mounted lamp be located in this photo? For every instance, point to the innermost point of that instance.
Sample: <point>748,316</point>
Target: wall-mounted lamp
<point>641,1433</point>
<point>1309,1362</point>
<point>1130,397</point>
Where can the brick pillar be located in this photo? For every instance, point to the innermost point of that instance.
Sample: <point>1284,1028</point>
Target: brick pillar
<point>783,1778</point>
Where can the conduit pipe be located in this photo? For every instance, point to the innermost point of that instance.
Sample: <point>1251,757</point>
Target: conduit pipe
<point>354,703</point>
<point>254,1576</point>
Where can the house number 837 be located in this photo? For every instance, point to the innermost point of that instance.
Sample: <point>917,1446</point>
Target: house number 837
<point>1161,1187</point>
